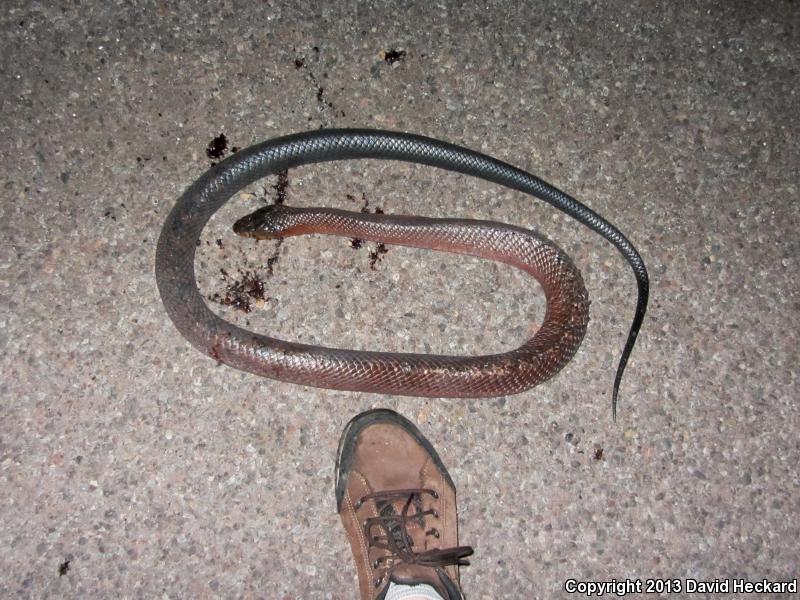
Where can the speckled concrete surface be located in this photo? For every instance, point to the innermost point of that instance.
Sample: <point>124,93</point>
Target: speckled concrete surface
<point>156,473</point>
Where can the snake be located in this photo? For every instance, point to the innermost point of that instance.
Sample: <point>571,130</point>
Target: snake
<point>538,359</point>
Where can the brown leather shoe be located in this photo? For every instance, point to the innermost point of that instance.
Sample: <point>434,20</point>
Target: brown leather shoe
<point>398,507</point>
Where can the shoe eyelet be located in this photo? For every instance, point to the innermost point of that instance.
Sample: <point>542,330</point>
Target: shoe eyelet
<point>435,494</point>
<point>375,564</point>
<point>435,515</point>
<point>358,505</point>
<point>435,533</point>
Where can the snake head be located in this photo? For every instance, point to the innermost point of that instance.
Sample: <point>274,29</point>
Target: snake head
<point>267,223</point>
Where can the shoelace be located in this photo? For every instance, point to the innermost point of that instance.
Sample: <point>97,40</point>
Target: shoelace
<point>392,534</point>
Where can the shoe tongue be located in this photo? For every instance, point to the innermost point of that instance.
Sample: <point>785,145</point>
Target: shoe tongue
<point>416,574</point>
<point>408,574</point>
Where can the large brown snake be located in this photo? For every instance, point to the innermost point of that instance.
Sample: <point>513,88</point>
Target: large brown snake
<point>538,359</point>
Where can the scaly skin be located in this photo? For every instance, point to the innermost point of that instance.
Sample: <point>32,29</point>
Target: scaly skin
<point>541,357</point>
<point>404,374</point>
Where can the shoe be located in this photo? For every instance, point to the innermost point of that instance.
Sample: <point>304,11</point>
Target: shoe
<point>398,507</point>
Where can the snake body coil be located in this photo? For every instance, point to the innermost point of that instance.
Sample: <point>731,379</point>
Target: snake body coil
<point>406,374</point>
